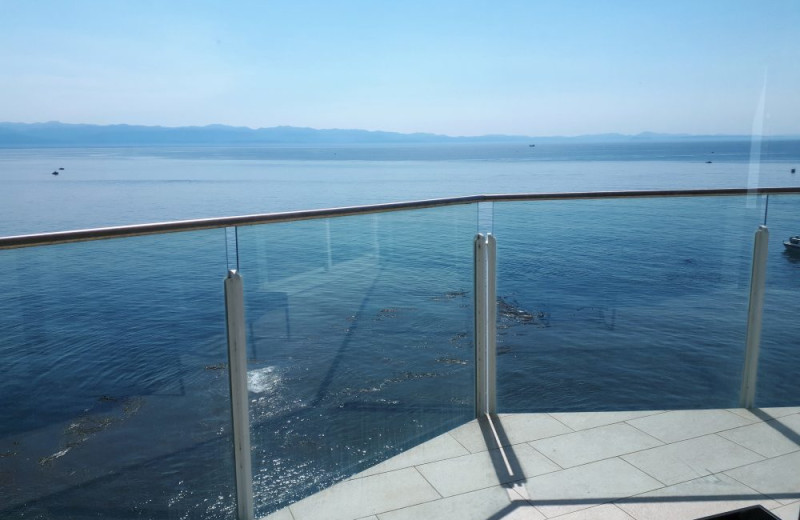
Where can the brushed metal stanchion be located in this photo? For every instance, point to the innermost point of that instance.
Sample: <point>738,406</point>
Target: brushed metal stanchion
<point>747,396</point>
<point>237,373</point>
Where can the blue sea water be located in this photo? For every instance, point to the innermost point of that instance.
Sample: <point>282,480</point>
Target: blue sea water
<point>115,398</point>
<point>111,186</point>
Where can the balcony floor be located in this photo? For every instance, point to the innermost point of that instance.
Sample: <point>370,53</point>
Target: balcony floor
<point>577,466</point>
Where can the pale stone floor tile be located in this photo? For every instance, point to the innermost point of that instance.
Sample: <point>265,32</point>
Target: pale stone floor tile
<point>595,444</point>
<point>511,428</point>
<point>788,512</point>
<point>679,425</point>
<point>772,412</point>
<point>470,436</point>
<point>366,496</point>
<point>781,411</point>
<point>697,498</point>
<point>778,477</point>
<point>439,448</point>
<point>282,514</point>
<point>687,460</point>
<point>585,420</point>
<point>495,502</point>
<point>593,490</point>
<point>530,427</point>
<point>485,469</point>
<point>604,512</point>
<point>586,486</point>
<point>770,439</point>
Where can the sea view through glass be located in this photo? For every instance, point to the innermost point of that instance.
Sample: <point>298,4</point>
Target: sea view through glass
<point>358,260</point>
<point>347,367</point>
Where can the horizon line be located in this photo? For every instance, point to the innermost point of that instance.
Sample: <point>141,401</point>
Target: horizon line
<point>413,133</point>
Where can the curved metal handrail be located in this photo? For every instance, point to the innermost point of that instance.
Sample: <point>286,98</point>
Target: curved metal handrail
<point>85,235</point>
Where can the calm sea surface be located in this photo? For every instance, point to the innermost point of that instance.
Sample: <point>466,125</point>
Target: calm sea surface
<point>114,400</point>
<point>105,187</point>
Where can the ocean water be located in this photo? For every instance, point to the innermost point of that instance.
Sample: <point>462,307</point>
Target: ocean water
<point>115,399</point>
<point>108,186</point>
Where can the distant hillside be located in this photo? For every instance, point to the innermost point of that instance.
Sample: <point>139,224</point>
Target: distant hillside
<point>61,134</point>
<point>55,134</point>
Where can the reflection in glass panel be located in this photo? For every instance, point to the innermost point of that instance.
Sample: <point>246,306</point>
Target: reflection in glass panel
<point>623,303</point>
<point>360,330</point>
<point>114,398</point>
<point>779,360</point>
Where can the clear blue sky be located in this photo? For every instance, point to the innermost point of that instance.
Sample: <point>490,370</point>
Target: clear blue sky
<point>463,67</point>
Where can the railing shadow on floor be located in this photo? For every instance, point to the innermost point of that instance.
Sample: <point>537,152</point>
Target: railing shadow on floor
<point>506,465</point>
<point>512,478</point>
<point>776,424</point>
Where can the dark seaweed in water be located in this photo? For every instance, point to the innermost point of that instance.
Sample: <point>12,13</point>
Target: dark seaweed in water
<point>512,314</point>
<point>451,295</point>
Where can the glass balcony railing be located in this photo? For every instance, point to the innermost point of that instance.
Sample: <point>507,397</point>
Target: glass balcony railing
<point>115,394</point>
<point>615,304</point>
<point>360,337</point>
<point>779,362</point>
<point>364,332</point>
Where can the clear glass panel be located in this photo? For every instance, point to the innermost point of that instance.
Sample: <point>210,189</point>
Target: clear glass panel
<point>779,360</point>
<point>623,303</point>
<point>360,331</point>
<point>114,396</point>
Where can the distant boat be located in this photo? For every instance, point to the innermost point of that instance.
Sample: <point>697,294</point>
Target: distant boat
<point>793,244</point>
<point>531,145</point>
<point>708,162</point>
<point>793,170</point>
<point>61,168</point>
<point>55,172</point>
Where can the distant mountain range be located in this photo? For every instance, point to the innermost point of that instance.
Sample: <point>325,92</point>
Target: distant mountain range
<point>55,134</point>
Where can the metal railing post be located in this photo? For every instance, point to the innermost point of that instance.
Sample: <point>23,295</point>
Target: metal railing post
<point>747,395</point>
<point>485,324</point>
<point>237,373</point>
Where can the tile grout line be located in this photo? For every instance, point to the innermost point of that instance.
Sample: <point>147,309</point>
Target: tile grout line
<point>498,485</point>
<point>615,503</point>
<point>646,473</point>
<point>597,428</point>
<point>611,504</point>
<point>556,419</point>
<point>797,448</point>
<point>529,500</point>
<point>429,483</point>
<point>619,455</point>
<point>755,491</point>
<point>384,472</point>
<point>458,441</point>
<point>663,442</point>
<point>726,411</point>
<point>650,413</point>
<point>378,515</point>
<point>763,457</point>
<point>710,473</point>
<point>629,515</point>
<point>562,468</point>
<point>714,432</point>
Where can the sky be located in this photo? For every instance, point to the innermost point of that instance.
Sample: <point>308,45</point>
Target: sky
<point>464,67</point>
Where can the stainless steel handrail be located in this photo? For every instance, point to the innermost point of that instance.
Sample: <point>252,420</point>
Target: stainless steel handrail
<point>85,235</point>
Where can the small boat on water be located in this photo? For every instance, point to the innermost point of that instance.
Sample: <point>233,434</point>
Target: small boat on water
<point>793,244</point>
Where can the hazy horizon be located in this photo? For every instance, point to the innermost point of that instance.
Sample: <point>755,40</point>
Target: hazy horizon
<point>644,133</point>
<point>451,68</point>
